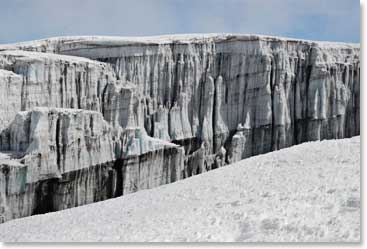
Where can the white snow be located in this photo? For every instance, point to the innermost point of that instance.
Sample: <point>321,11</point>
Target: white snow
<point>28,56</point>
<point>164,39</point>
<point>309,192</point>
<point>6,157</point>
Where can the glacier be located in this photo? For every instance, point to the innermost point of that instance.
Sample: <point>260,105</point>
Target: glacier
<point>85,119</point>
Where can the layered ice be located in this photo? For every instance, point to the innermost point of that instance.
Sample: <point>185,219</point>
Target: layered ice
<point>168,107</point>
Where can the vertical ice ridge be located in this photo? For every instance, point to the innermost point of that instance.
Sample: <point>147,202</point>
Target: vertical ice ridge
<point>220,98</point>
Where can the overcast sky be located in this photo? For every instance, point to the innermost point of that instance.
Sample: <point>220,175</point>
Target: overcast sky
<point>333,20</point>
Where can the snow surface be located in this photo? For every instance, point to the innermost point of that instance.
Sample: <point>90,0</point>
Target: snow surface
<point>28,55</point>
<point>308,192</point>
<point>168,39</point>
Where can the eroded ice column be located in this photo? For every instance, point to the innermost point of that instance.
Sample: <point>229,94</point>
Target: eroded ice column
<point>207,108</point>
<point>220,128</point>
<point>10,97</point>
<point>147,162</point>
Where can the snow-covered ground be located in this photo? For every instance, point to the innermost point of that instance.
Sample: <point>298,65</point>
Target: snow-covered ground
<point>164,39</point>
<point>309,192</point>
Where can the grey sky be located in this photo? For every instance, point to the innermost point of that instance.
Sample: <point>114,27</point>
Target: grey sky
<point>334,20</point>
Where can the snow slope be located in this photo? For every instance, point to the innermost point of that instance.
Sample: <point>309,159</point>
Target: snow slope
<point>309,192</point>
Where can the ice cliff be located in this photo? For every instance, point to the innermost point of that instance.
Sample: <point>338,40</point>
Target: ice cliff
<point>84,119</point>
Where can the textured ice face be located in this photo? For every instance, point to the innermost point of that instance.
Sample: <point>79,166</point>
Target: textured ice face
<point>164,108</point>
<point>282,91</point>
<point>264,83</point>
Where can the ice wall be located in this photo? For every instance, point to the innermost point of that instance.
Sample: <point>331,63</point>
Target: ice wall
<point>201,88</point>
<point>152,110</point>
<point>57,158</point>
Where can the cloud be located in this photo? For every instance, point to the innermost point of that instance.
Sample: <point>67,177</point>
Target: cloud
<point>336,20</point>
